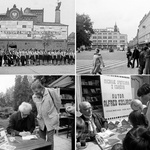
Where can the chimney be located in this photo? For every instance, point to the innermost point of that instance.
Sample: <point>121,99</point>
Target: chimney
<point>57,16</point>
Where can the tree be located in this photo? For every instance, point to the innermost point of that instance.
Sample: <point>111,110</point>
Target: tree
<point>84,30</point>
<point>17,91</point>
<point>22,91</point>
<point>9,96</point>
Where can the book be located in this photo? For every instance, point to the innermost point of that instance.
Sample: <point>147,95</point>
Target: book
<point>29,137</point>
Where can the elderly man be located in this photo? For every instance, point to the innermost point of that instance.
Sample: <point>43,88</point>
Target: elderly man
<point>144,93</point>
<point>22,122</point>
<point>48,105</point>
<point>94,122</point>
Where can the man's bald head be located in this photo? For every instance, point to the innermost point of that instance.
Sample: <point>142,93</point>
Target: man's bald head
<point>85,108</point>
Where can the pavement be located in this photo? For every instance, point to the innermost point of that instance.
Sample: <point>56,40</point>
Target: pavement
<point>115,63</point>
<point>62,69</point>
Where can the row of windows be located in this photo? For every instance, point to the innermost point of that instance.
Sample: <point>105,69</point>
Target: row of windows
<point>23,26</point>
<point>107,37</point>
<point>109,41</point>
<point>106,33</point>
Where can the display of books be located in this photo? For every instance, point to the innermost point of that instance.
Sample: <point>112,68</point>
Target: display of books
<point>112,126</point>
<point>85,91</point>
<point>93,91</point>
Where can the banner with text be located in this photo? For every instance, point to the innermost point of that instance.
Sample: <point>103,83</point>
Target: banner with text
<point>116,95</point>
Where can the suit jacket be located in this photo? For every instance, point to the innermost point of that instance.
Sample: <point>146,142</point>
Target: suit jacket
<point>47,112</point>
<point>18,124</point>
<point>98,120</point>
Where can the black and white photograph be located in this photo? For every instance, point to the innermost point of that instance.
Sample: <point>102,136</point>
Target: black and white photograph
<point>37,37</point>
<point>112,37</point>
<point>37,112</point>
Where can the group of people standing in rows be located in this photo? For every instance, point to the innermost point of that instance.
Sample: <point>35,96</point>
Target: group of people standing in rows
<point>142,56</point>
<point>28,57</point>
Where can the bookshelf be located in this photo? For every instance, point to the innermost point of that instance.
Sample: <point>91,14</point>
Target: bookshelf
<point>91,91</point>
<point>67,99</point>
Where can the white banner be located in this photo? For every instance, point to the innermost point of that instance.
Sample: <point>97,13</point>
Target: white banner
<point>26,30</point>
<point>116,95</point>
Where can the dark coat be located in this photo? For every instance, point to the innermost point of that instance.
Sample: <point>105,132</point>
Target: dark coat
<point>17,124</point>
<point>99,121</point>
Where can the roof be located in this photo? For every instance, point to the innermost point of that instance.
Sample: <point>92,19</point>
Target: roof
<point>71,35</point>
<point>49,24</point>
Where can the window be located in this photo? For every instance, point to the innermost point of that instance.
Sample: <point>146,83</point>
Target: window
<point>104,33</point>
<point>109,41</point>
<point>94,41</point>
<point>104,41</point>
<point>115,41</point>
<point>24,26</point>
<point>99,41</point>
<point>0,26</point>
<point>99,37</point>
<point>122,37</point>
<point>122,41</point>
<point>109,33</point>
<point>104,37</point>
<point>94,37</point>
<point>110,37</point>
<point>115,37</point>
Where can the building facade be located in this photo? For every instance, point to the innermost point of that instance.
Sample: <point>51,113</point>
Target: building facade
<point>144,30</point>
<point>109,38</point>
<point>27,29</point>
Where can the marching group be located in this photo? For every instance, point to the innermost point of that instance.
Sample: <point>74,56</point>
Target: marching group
<point>27,57</point>
<point>142,56</point>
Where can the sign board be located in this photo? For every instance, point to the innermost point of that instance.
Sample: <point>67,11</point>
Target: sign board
<point>26,30</point>
<point>54,32</point>
<point>116,95</point>
<point>16,29</point>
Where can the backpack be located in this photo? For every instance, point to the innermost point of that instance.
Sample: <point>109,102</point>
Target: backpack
<point>56,101</point>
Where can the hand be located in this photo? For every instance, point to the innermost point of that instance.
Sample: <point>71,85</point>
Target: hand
<point>103,129</point>
<point>24,133</point>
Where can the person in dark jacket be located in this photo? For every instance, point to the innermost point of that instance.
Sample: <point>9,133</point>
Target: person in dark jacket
<point>94,122</point>
<point>142,60</point>
<point>129,55</point>
<point>22,122</point>
<point>135,56</point>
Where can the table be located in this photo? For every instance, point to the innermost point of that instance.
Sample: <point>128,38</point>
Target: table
<point>39,144</point>
<point>116,136</point>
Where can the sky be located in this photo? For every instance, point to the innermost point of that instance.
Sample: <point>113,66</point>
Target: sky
<point>6,81</point>
<point>67,9</point>
<point>127,14</point>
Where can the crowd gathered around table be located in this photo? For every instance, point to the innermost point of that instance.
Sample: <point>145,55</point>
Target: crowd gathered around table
<point>26,57</point>
<point>135,128</point>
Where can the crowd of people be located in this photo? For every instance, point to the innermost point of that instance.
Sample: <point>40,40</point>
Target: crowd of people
<point>28,57</point>
<point>137,138</point>
<point>142,58</point>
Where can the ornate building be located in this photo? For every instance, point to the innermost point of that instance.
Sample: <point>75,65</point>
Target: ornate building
<point>26,29</point>
<point>109,37</point>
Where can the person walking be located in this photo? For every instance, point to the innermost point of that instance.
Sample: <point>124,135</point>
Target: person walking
<point>129,55</point>
<point>135,56</point>
<point>97,62</point>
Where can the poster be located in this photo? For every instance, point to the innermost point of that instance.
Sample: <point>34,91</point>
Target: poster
<point>116,95</point>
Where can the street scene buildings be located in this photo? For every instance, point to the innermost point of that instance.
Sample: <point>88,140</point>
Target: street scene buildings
<point>143,32</point>
<point>109,38</point>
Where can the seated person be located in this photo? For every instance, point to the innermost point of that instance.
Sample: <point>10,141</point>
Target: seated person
<point>137,118</point>
<point>94,122</point>
<point>22,122</point>
<point>137,139</point>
